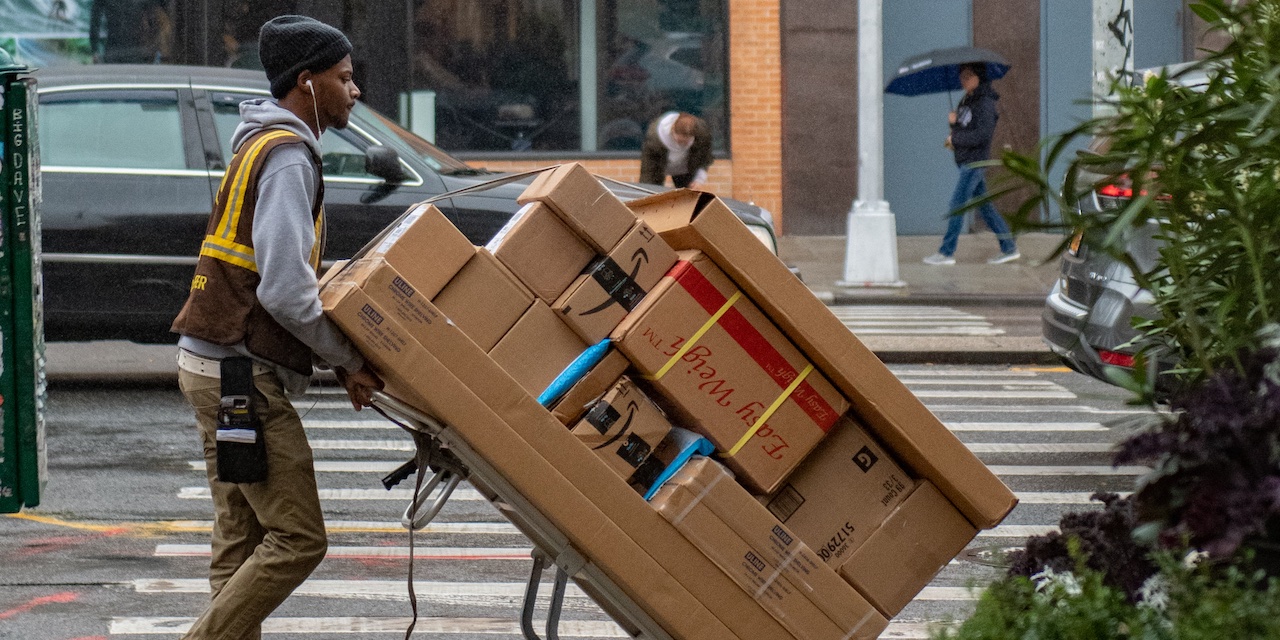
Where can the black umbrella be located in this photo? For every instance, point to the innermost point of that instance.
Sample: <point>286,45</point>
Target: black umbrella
<point>939,70</point>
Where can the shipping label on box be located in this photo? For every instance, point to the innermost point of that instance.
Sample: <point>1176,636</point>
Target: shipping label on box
<point>394,294</point>
<point>716,489</point>
<point>623,428</point>
<point>841,493</point>
<point>755,569</point>
<point>922,535</point>
<point>537,348</point>
<point>728,373</point>
<point>589,208</point>
<point>484,299</point>
<point>544,253</point>
<point>570,408</point>
<point>615,283</point>
<point>425,232</point>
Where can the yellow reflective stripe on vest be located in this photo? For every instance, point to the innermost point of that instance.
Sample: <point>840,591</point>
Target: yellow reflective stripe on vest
<point>317,247</point>
<point>235,253</point>
<point>235,199</point>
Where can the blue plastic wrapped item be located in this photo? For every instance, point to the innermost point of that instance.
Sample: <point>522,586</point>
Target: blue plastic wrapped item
<point>686,445</point>
<point>574,372</point>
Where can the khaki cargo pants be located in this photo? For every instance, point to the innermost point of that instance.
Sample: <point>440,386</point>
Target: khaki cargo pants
<point>267,536</point>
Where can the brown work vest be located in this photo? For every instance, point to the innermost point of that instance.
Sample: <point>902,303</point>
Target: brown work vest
<point>222,306</point>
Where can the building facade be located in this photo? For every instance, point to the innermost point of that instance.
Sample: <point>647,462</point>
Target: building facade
<point>519,84</point>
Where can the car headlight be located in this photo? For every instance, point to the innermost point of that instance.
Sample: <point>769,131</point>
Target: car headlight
<point>766,236</point>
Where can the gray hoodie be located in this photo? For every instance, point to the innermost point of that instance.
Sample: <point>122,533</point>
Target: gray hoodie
<point>283,234</point>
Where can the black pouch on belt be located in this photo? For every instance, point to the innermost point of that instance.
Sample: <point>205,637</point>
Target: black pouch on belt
<point>242,449</point>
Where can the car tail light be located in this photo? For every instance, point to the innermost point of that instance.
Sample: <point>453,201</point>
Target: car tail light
<point>1116,358</point>
<point>1122,189</point>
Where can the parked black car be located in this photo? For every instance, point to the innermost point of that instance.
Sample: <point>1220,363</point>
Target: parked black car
<point>133,155</point>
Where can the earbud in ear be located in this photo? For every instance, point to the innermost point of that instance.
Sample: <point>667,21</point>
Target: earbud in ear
<point>309,86</point>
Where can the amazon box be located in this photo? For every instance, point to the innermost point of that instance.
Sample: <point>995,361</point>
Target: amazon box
<point>424,231</point>
<point>720,518</point>
<point>841,493</point>
<point>624,427</point>
<point>615,283</point>
<point>537,348</point>
<point>694,220</point>
<point>484,299</point>
<point>590,209</point>
<point>575,402</point>
<point>544,253</point>
<point>922,535</point>
<point>728,373</point>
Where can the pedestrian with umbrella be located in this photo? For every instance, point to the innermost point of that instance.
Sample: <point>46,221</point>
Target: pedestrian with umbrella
<point>973,124</point>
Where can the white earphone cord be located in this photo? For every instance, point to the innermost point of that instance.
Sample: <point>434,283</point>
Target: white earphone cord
<point>315,109</point>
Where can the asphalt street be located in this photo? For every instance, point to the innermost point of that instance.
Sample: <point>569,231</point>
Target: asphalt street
<point>119,547</point>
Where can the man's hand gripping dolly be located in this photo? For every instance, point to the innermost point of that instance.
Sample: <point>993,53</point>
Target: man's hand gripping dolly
<point>360,385</point>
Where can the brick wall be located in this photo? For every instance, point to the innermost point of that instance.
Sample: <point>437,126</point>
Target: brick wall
<point>755,100</point>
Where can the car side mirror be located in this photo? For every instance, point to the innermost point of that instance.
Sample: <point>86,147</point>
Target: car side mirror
<point>384,162</point>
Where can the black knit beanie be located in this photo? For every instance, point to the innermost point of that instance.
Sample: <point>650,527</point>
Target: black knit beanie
<point>288,45</point>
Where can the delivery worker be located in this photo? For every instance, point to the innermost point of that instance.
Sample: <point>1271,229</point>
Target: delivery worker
<point>255,294</point>
<point>678,145</point>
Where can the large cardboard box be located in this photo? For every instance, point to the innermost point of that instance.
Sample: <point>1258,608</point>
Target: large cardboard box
<point>694,220</point>
<point>485,299</point>
<point>537,348</point>
<point>425,248</point>
<point>396,296</point>
<point>841,493</point>
<point>714,515</point>
<point>716,490</point>
<point>615,283</point>
<point>589,208</point>
<point>728,373</point>
<point>615,528</point>
<point>660,573</point>
<point>591,386</point>
<point>900,558</point>
<point>544,253</point>
<point>624,427</point>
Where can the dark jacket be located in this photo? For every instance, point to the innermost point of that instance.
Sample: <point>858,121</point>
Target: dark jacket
<point>975,125</point>
<point>653,155</point>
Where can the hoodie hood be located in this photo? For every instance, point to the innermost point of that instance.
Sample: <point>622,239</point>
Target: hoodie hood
<point>265,113</point>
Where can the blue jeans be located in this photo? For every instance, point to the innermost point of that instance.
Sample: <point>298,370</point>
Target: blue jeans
<point>972,184</point>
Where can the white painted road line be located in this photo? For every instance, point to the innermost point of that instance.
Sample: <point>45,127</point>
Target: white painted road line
<point>947,593</point>
<point>426,627</point>
<point>1040,447</point>
<point>982,394</point>
<point>1018,531</point>
<point>956,373</point>
<point>382,467</point>
<point>912,630</point>
<point>992,383</point>
<point>357,526</point>
<point>450,593</point>
<point>202,493</point>
<point>1025,426</point>
<point>1059,497</point>
<point>1034,470</point>
<point>951,330</point>
<point>344,424</point>
<point>363,445</point>
<point>1038,410</point>
<point>434,553</point>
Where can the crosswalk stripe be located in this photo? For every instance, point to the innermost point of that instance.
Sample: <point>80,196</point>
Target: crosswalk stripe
<point>1040,447</point>
<point>434,553</point>
<point>457,593</point>
<point>913,630</point>
<point>380,423</point>
<point>871,321</point>
<point>1058,497</point>
<point>1034,470</point>
<point>1025,426</point>
<point>1038,410</point>
<point>363,445</point>
<point>991,383</point>
<point>426,626</point>
<point>1018,531</point>
<point>950,330</point>
<point>958,373</point>
<point>333,466</point>
<point>461,493</point>
<point>984,394</point>
<point>358,526</point>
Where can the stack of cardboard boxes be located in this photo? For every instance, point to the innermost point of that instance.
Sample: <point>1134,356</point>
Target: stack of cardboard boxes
<point>839,496</point>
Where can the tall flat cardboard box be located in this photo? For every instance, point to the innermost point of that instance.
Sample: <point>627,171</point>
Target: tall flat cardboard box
<point>728,373</point>
<point>544,253</point>
<point>615,283</point>
<point>590,387</point>
<point>484,299</point>
<point>919,538</point>
<point>713,514</point>
<point>425,248</point>
<point>395,295</point>
<point>589,208</point>
<point>841,493</point>
<point>693,220</point>
<point>624,427</point>
<point>537,348</point>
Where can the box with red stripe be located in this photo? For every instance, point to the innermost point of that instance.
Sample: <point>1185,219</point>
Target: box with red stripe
<point>727,372</point>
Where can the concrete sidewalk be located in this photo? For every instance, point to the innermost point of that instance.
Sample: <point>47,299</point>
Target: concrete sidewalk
<point>971,282</point>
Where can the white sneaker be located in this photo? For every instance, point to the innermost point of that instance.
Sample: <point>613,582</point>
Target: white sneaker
<point>939,259</point>
<point>1005,257</point>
